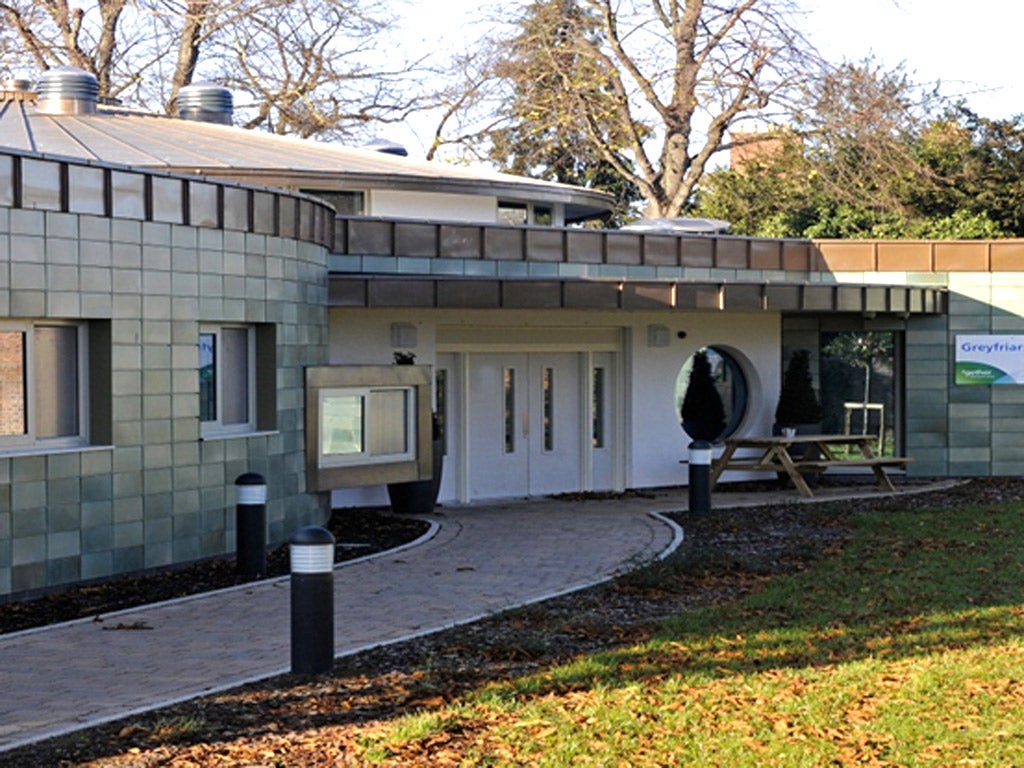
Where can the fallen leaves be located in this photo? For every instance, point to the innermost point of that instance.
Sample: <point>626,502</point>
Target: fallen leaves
<point>493,694</point>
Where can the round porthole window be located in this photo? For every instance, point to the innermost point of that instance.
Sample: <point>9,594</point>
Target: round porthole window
<point>729,381</point>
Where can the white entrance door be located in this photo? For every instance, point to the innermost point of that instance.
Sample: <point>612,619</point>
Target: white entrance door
<point>524,424</point>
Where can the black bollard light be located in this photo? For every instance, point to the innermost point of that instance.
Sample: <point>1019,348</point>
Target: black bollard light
<point>251,525</point>
<point>312,628</point>
<point>700,476</point>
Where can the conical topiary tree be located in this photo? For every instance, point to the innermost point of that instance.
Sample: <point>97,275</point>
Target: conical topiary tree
<point>702,410</point>
<point>798,404</point>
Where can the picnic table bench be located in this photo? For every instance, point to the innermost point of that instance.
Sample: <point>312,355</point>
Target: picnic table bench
<point>819,454</point>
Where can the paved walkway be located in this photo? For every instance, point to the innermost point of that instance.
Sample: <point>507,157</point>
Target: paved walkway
<point>475,561</point>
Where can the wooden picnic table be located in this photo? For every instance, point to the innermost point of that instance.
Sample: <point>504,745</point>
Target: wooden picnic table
<point>773,454</point>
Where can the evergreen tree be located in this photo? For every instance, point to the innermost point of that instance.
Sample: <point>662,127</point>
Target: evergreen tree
<point>702,411</point>
<point>798,404</point>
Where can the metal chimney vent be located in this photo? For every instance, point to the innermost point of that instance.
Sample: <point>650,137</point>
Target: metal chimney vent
<point>206,103</point>
<point>67,91</point>
<point>16,85</point>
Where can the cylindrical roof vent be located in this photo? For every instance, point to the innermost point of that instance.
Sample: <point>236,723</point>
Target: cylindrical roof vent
<point>387,147</point>
<point>67,91</point>
<point>16,84</point>
<point>206,103</point>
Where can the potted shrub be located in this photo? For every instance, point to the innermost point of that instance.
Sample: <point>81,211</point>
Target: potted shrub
<point>702,411</point>
<point>798,407</point>
<point>418,497</point>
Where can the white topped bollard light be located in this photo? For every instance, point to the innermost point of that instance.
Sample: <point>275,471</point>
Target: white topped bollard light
<point>312,614</point>
<point>700,476</point>
<point>251,525</point>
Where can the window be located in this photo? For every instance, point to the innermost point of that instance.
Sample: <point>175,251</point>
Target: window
<point>43,385</point>
<point>440,426</point>
<point>228,379</point>
<point>512,213</point>
<point>729,381</point>
<point>367,426</point>
<point>509,415</point>
<point>548,386</point>
<point>525,213</point>
<point>597,408</point>
<point>345,203</point>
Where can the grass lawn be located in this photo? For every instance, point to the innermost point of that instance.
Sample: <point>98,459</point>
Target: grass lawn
<point>906,648</point>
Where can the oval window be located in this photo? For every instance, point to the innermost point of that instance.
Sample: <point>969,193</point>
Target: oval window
<point>729,381</point>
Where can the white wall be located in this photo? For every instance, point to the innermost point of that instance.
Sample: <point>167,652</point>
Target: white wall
<point>364,338</point>
<point>658,442</point>
<point>655,440</point>
<point>438,206</point>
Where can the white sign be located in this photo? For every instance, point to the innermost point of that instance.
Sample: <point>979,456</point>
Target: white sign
<point>989,359</point>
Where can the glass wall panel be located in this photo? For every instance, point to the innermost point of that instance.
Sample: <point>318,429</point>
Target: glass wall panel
<point>341,427</point>
<point>207,377</point>
<point>388,423</point>
<point>56,386</point>
<point>234,372</point>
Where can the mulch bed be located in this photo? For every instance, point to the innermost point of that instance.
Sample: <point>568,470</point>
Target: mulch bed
<point>295,721</point>
<point>358,532</point>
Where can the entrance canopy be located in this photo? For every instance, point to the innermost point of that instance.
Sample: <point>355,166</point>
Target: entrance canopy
<point>467,293</point>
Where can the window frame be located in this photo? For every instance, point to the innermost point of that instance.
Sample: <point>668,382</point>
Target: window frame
<point>215,428</point>
<point>738,406</point>
<point>30,440</point>
<point>417,464</point>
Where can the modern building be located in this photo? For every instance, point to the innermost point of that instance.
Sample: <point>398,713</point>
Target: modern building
<point>184,301</point>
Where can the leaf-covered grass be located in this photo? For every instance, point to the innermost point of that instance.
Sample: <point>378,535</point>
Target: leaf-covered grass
<point>906,648</point>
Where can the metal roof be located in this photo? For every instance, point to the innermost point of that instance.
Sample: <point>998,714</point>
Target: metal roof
<point>143,140</point>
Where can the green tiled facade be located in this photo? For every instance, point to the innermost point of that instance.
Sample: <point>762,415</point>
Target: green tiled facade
<point>954,430</point>
<point>148,492</point>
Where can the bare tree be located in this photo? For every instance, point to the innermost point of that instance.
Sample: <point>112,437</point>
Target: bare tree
<point>53,33</point>
<point>302,63</point>
<point>654,86</point>
<point>307,67</point>
<point>466,108</point>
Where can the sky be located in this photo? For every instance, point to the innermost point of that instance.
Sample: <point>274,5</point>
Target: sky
<point>970,48</point>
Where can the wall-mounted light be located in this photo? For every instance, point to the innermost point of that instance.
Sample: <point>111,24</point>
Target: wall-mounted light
<point>403,335</point>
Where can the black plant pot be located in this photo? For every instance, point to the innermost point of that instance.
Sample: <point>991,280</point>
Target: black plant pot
<point>701,430</point>
<point>418,497</point>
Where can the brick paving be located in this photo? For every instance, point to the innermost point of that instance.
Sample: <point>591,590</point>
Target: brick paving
<point>477,560</point>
